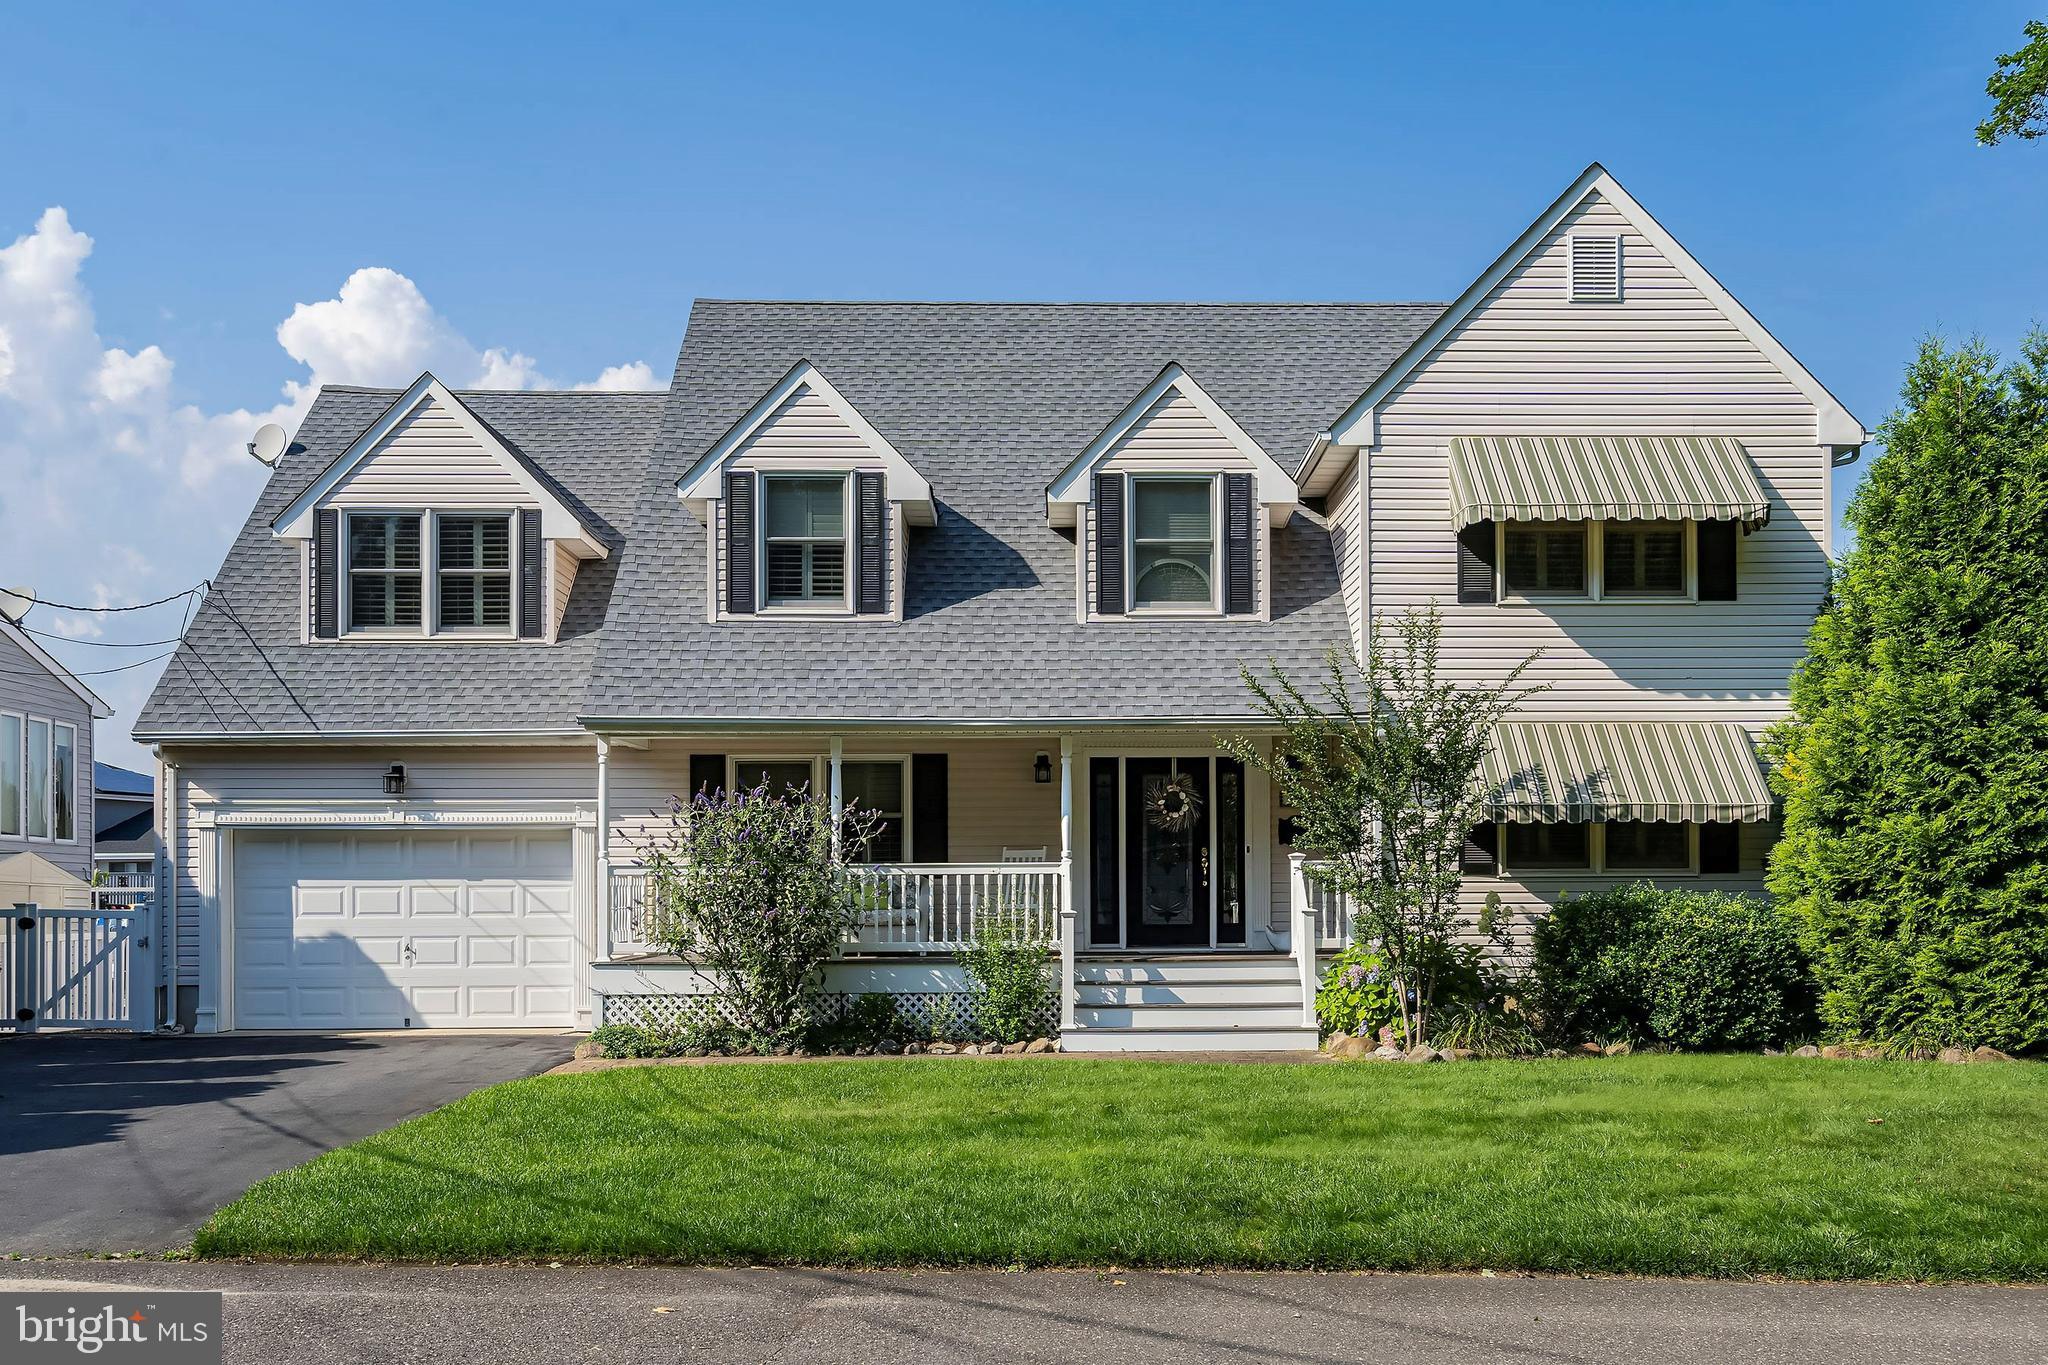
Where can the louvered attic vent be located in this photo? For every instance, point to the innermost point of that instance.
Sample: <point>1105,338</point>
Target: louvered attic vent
<point>1595,269</point>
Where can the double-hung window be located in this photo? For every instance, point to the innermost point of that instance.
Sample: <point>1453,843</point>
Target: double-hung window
<point>1642,559</point>
<point>36,783</point>
<point>10,775</point>
<point>804,531</point>
<point>63,782</point>
<point>1173,543</point>
<point>876,786</point>
<point>385,586</point>
<point>1545,558</point>
<point>473,573</point>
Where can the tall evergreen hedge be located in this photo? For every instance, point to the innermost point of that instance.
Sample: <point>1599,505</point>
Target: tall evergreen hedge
<point>1915,768</point>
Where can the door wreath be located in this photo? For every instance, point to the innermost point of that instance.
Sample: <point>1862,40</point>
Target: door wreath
<point>1172,804</point>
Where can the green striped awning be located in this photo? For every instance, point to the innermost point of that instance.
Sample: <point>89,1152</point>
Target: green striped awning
<point>1559,771</point>
<point>1589,478</point>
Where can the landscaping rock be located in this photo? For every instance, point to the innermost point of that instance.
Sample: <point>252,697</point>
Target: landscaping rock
<point>1591,1049</point>
<point>1038,1045</point>
<point>1461,1054</point>
<point>1015,1049</point>
<point>912,1049</point>
<point>1953,1056</point>
<point>1387,1052</point>
<point>1350,1047</point>
<point>1421,1053</point>
<point>586,1049</point>
<point>1808,1051</point>
<point>1990,1054</point>
<point>1334,1044</point>
<point>1835,1052</point>
<point>1616,1050</point>
<point>943,1049</point>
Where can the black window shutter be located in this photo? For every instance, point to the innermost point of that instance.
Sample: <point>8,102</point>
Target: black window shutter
<point>928,808</point>
<point>1109,544</point>
<point>1481,856</point>
<point>871,530</point>
<point>1237,544</point>
<point>1717,541</point>
<point>1720,848</point>
<point>707,773</point>
<point>531,614</point>
<point>326,575</point>
<point>1475,562</point>
<point>739,542</point>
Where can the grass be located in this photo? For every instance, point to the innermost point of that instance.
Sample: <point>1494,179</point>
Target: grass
<point>1726,1166</point>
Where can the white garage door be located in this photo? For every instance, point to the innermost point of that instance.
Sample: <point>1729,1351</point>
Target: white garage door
<point>376,929</point>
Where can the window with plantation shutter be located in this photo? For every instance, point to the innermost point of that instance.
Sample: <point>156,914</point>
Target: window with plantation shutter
<point>804,540</point>
<point>473,573</point>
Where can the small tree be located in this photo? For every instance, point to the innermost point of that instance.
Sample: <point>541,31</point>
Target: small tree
<point>1382,773</point>
<point>1915,765</point>
<point>751,886</point>
<point>2019,90</point>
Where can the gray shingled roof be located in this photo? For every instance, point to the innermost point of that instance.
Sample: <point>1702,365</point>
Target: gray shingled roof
<point>243,669</point>
<point>989,401</point>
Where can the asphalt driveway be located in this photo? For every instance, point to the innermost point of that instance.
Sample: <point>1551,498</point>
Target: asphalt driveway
<point>112,1142</point>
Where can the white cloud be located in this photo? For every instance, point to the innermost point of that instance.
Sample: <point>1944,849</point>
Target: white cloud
<point>112,490</point>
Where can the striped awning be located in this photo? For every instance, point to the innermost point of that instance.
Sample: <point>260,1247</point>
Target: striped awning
<point>1558,771</point>
<point>1588,478</point>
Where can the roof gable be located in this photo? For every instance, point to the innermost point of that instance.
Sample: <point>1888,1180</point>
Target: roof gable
<point>9,631</point>
<point>1358,426</point>
<point>905,485</point>
<point>558,520</point>
<point>1071,487</point>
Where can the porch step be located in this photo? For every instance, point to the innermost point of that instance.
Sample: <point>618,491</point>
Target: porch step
<point>1193,1038</point>
<point>1281,990</point>
<point>1111,971</point>
<point>1235,1014</point>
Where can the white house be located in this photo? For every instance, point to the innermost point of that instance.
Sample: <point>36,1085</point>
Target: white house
<point>991,569</point>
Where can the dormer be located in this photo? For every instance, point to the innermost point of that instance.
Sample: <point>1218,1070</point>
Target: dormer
<point>805,504</point>
<point>1173,507</point>
<point>431,527</point>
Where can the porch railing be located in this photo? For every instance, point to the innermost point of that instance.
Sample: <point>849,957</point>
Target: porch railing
<point>130,895</point>
<point>907,907</point>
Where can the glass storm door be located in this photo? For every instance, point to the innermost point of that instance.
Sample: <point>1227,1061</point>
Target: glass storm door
<point>1166,852</point>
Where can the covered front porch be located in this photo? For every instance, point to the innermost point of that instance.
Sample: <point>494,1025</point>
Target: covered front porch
<point>1148,862</point>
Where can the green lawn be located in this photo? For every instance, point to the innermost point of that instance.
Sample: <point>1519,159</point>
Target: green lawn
<point>1656,1165</point>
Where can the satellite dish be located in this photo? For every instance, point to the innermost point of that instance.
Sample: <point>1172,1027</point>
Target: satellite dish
<point>14,604</point>
<point>268,444</point>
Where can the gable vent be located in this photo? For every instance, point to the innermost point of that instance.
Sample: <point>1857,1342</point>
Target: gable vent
<point>1595,268</point>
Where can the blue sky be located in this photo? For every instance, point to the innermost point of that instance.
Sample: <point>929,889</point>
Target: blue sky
<point>560,186</point>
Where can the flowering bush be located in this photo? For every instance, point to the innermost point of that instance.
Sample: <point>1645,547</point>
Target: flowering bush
<point>747,885</point>
<point>1357,994</point>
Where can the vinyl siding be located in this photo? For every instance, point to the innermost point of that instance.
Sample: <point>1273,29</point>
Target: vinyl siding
<point>525,777</point>
<point>28,689</point>
<point>428,460</point>
<point>1174,437</point>
<point>565,563</point>
<point>1664,360</point>
<point>1347,542</point>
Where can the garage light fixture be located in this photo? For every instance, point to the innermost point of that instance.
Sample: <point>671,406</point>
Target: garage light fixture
<point>394,780</point>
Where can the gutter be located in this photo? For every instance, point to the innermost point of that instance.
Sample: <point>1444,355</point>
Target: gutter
<point>1309,461</point>
<point>162,737</point>
<point>874,724</point>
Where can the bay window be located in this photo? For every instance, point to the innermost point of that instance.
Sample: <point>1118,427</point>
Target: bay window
<point>1173,542</point>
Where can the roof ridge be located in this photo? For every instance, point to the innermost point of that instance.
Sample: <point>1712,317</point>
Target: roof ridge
<point>1086,303</point>
<point>505,393</point>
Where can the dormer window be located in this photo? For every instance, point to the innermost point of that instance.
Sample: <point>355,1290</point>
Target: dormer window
<point>473,573</point>
<point>384,576</point>
<point>1173,543</point>
<point>804,541</point>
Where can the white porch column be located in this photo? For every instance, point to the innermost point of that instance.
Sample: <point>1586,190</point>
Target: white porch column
<point>1069,916</point>
<point>1304,935</point>
<point>838,754</point>
<point>603,937</point>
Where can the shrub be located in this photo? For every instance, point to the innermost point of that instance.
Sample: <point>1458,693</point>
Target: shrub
<point>746,883</point>
<point>1357,994</point>
<point>871,1020</point>
<point>1009,979</point>
<point>1914,768</point>
<point>1697,969</point>
<point>699,1038</point>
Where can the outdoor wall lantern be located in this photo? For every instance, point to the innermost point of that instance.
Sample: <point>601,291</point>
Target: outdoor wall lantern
<point>394,780</point>
<point>1041,767</point>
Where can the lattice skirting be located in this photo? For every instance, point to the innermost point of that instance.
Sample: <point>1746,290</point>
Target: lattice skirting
<point>944,1014</point>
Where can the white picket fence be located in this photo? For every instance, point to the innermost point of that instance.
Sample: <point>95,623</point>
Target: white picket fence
<point>77,968</point>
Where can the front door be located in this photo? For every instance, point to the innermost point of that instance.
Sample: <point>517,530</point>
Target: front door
<point>1166,852</point>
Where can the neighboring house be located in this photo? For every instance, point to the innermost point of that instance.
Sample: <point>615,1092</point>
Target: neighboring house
<point>993,570</point>
<point>46,789</point>
<point>124,830</point>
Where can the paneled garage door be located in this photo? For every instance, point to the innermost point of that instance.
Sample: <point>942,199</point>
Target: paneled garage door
<point>377,929</point>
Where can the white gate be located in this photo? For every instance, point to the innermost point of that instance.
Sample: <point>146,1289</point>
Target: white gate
<point>77,968</point>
